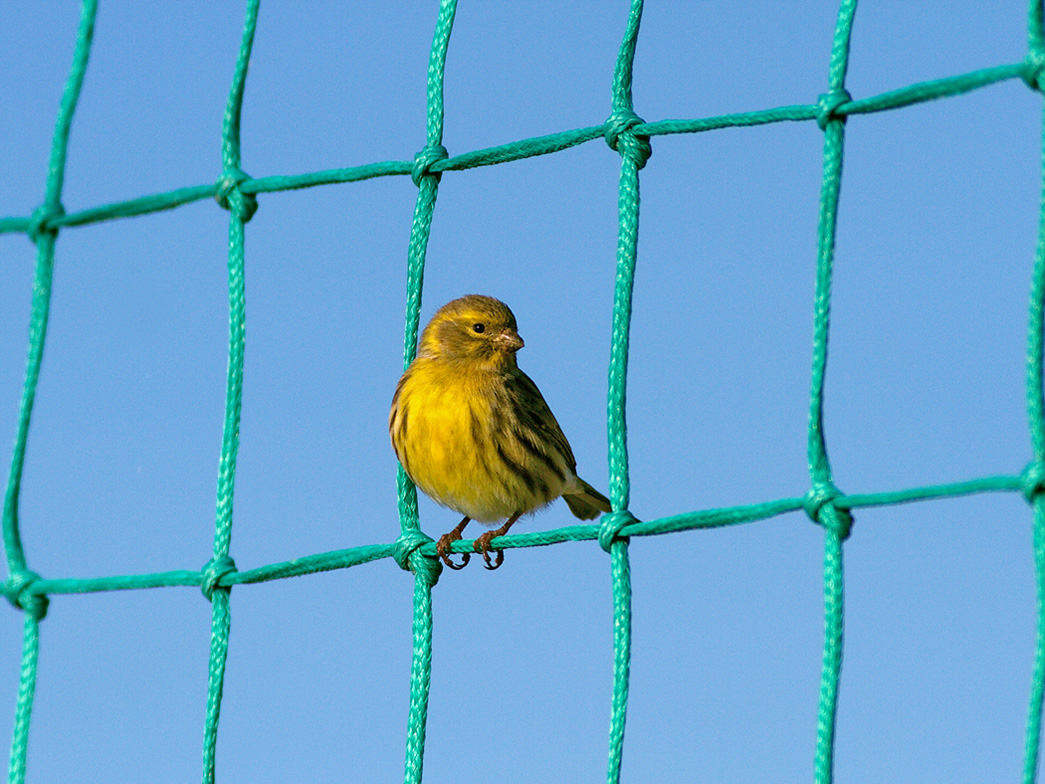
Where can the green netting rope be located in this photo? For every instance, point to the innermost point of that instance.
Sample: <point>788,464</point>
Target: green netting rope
<point>1034,475</point>
<point>241,209</point>
<point>821,499</point>
<point>425,568</point>
<point>21,579</point>
<point>634,149</point>
<point>630,136</point>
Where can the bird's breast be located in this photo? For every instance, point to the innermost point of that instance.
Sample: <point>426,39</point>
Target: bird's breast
<point>443,429</point>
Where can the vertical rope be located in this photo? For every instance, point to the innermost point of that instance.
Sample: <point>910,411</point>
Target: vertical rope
<point>424,208</point>
<point>420,680</point>
<point>26,692</point>
<point>620,573</point>
<point>627,242</point>
<point>635,151</point>
<point>41,304</point>
<point>835,521</point>
<point>427,183</point>
<point>239,205</point>
<point>241,208</point>
<point>1036,420</point>
<point>425,573</point>
<point>44,237</point>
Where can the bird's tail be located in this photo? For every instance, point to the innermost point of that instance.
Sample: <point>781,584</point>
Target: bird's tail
<point>588,502</point>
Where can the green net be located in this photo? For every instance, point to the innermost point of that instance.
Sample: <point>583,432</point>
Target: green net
<point>629,135</point>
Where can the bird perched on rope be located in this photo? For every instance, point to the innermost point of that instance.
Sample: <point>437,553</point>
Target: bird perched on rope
<point>473,431</point>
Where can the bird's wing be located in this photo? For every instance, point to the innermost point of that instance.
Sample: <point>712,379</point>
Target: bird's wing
<point>535,414</point>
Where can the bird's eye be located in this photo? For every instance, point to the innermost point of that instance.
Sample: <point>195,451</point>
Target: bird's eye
<point>478,327</point>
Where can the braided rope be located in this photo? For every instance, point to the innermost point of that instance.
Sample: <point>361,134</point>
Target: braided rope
<point>626,133</point>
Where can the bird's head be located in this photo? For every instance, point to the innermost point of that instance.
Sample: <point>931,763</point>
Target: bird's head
<point>472,329</point>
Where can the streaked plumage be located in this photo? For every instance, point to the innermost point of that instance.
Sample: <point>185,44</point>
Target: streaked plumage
<point>473,431</point>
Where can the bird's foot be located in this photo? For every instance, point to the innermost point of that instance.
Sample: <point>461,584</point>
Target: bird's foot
<point>482,545</point>
<point>443,548</point>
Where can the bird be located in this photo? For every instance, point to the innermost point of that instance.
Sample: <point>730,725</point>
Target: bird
<point>475,434</point>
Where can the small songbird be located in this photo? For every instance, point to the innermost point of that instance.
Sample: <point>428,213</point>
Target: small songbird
<point>473,432</point>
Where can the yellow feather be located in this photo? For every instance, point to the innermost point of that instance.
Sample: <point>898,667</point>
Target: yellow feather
<point>473,431</point>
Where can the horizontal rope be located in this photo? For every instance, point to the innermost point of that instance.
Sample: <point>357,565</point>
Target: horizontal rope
<point>356,556</point>
<point>626,133</point>
<point>527,148</point>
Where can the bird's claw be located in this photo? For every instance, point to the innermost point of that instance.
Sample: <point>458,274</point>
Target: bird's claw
<point>482,545</point>
<point>443,549</point>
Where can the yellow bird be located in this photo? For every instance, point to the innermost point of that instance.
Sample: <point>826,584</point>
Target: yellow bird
<point>473,431</point>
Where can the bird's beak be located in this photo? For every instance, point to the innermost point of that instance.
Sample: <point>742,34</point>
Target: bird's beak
<point>509,341</point>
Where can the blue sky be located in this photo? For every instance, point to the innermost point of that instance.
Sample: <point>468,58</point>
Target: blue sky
<point>936,235</point>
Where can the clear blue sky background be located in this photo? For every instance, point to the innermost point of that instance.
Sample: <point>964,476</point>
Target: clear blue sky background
<point>936,237</point>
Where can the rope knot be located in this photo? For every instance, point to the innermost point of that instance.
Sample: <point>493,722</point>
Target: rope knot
<point>1033,70</point>
<point>213,571</point>
<point>827,107</point>
<point>41,215</point>
<point>619,136</point>
<point>1033,481</point>
<point>611,525</point>
<point>231,198</point>
<point>819,504</point>
<point>424,161</point>
<point>19,590</point>
<point>408,555</point>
